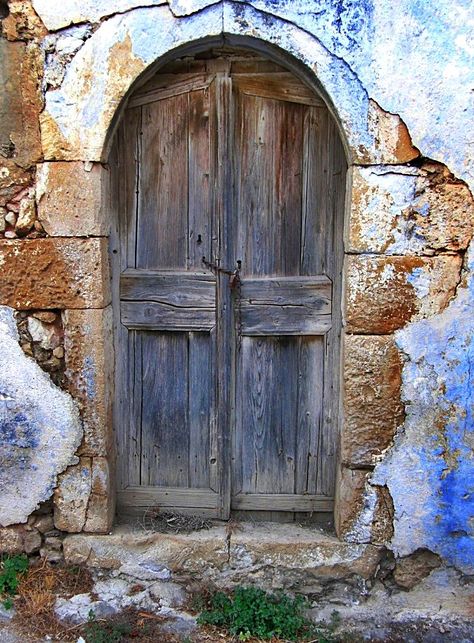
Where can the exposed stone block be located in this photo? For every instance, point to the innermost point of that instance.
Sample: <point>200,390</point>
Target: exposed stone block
<point>89,354</point>
<point>443,210</point>
<point>276,555</point>
<point>411,570</point>
<point>384,293</point>
<point>350,498</point>
<point>54,273</point>
<point>20,101</point>
<point>101,507</point>
<point>382,526</point>
<point>393,141</point>
<point>372,405</point>
<point>22,23</point>
<point>402,210</point>
<point>100,514</point>
<point>380,222</point>
<point>71,497</point>
<point>69,197</point>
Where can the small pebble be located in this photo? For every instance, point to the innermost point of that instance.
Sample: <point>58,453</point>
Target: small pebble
<point>58,352</point>
<point>10,218</point>
<point>10,234</point>
<point>14,207</point>
<point>45,316</point>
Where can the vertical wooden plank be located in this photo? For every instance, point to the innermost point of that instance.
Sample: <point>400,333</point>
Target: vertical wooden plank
<point>315,207</point>
<point>163,200</point>
<point>225,319</point>
<point>269,138</point>
<point>335,255</point>
<point>199,224</point>
<point>310,400</point>
<point>123,173</point>
<point>165,432</point>
<point>200,408</point>
<point>268,426</point>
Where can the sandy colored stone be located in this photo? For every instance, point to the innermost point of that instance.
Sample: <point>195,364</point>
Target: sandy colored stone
<point>32,541</point>
<point>382,526</point>
<point>44,523</point>
<point>443,209</point>
<point>23,22</point>
<point>11,539</point>
<point>411,570</point>
<point>89,354</point>
<point>384,293</point>
<point>372,406</point>
<point>13,179</point>
<point>54,273</point>
<point>20,101</point>
<point>100,514</point>
<point>26,216</point>
<point>100,476</point>
<point>391,134</point>
<point>350,498</point>
<point>72,496</point>
<point>271,553</point>
<point>69,197</point>
<point>380,214</point>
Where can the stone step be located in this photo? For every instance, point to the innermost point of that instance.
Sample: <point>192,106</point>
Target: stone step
<point>272,555</point>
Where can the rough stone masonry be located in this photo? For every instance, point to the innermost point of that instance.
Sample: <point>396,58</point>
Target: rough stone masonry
<point>399,78</point>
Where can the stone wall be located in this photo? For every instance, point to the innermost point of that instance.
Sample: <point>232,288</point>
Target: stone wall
<point>398,78</point>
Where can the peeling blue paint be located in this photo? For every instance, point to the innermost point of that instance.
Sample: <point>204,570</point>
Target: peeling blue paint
<point>430,470</point>
<point>88,373</point>
<point>19,435</point>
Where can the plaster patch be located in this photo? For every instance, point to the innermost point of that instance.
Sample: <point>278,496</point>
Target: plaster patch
<point>39,429</point>
<point>78,114</point>
<point>57,14</point>
<point>430,472</point>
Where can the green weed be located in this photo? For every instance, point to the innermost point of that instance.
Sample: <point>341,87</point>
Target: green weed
<point>12,568</point>
<point>105,632</point>
<point>251,612</point>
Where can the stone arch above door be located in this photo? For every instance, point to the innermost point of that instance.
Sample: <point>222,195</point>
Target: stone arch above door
<point>78,115</point>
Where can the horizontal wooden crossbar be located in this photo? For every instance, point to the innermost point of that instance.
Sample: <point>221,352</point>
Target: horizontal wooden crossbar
<point>168,497</point>
<point>281,502</point>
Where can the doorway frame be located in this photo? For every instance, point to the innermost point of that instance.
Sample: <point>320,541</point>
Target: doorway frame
<point>360,146</point>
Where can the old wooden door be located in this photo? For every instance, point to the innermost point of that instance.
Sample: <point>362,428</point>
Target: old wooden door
<point>227,387</point>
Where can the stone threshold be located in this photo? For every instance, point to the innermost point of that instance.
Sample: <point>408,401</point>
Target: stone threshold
<point>273,555</point>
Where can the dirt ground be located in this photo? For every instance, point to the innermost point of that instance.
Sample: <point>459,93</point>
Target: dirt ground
<point>440,610</point>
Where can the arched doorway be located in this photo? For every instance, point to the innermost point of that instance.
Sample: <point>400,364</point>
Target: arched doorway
<point>228,178</point>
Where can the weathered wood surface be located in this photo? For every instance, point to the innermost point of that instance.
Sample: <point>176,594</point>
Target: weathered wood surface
<point>281,86</point>
<point>156,316</point>
<point>229,159</point>
<point>282,502</point>
<point>180,289</point>
<point>285,306</point>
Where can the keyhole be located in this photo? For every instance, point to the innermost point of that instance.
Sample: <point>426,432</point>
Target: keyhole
<point>199,240</point>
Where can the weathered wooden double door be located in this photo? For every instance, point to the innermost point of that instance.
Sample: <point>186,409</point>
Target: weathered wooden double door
<point>229,186</point>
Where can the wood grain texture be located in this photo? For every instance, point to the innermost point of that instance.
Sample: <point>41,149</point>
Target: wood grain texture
<point>282,502</point>
<point>180,289</point>
<point>228,158</point>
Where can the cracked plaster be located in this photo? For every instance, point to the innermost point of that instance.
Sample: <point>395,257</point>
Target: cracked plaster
<point>40,429</point>
<point>429,471</point>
